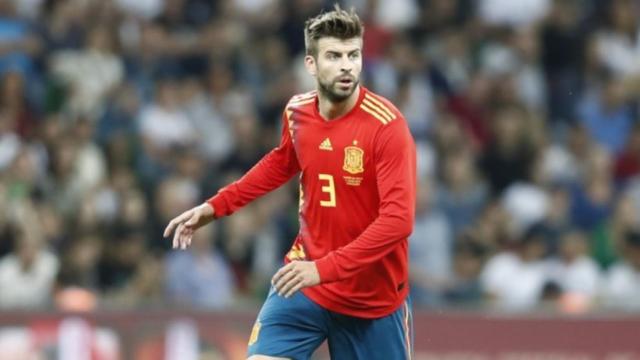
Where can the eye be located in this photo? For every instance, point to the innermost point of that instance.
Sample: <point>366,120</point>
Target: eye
<point>332,56</point>
<point>354,56</point>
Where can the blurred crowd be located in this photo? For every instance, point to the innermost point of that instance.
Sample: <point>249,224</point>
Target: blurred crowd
<point>117,115</point>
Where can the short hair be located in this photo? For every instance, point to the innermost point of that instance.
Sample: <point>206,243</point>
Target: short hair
<point>337,23</point>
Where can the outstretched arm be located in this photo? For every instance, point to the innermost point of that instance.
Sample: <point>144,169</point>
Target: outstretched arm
<point>273,170</point>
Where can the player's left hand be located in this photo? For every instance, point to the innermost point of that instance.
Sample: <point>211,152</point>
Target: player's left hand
<point>295,276</point>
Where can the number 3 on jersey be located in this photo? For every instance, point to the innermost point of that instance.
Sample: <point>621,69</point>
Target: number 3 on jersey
<point>328,188</point>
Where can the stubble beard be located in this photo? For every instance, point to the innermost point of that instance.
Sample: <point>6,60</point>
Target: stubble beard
<point>335,95</point>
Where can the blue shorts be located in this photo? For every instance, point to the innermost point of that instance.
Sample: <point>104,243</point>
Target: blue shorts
<point>295,327</point>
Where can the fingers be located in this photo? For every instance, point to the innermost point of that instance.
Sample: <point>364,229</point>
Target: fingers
<point>186,235</point>
<point>292,286</point>
<point>283,278</point>
<point>176,221</point>
<point>187,220</point>
<point>176,237</point>
<point>280,273</point>
<point>289,279</point>
<point>182,237</point>
<point>169,229</point>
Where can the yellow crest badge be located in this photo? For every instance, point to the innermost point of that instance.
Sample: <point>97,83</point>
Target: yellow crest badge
<point>296,253</point>
<point>353,159</point>
<point>254,333</point>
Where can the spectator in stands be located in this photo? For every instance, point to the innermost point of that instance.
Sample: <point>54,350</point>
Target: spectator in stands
<point>509,157</point>
<point>175,192</point>
<point>622,288</point>
<point>605,112</point>
<point>556,220</point>
<point>144,288</point>
<point>564,43</point>
<point>200,277</point>
<point>574,271</point>
<point>118,121</point>
<point>27,275</point>
<point>608,239</point>
<point>90,74</point>
<point>430,250</point>
<point>627,163</point>
<point>207,117</point>
<point>90,163</point>
<point>163,127</point>
<point>592,198</point>
<point>120,259</point>
<point>247,245</point>
<point>462,194</point>
<point>79,267</point>
<point>62,187</point>
<point>616,44</point>
<point>464,288</point>
<point>19,43</point>
<point>514,280</point>
<point>16,105</point>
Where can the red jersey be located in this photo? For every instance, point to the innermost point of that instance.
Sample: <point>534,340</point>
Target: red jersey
<point>357,200</point>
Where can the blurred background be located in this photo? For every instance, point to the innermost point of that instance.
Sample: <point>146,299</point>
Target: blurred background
<point>117,115</point>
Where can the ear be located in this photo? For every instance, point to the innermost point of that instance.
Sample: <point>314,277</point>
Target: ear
<point>310,65</point>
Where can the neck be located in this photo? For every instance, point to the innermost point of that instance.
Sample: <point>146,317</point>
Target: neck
<point>330,110</point>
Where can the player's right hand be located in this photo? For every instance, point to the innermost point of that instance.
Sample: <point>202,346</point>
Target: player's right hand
<point>187,223</point>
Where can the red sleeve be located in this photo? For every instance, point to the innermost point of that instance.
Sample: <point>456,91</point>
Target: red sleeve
<point>395,163</point>
<point>273,170</point>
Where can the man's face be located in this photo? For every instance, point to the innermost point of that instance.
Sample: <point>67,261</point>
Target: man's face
<point>337,67</point>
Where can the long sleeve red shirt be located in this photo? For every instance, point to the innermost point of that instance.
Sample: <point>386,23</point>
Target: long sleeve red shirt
<point>357,200</point>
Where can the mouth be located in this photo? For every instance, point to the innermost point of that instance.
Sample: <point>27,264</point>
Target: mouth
<point>346,82</point>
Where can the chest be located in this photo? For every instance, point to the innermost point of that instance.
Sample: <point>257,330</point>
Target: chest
<point>345,147</point>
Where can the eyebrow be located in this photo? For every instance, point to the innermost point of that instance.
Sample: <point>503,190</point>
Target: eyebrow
<point>335,52</point>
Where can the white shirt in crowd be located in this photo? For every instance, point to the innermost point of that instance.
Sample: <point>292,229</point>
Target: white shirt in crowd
<point>622,288</point>
<point>514,13</point>
<point>514,284</point>
<point>165,127</point>
<point>30,288</point>
<point>581,276</point>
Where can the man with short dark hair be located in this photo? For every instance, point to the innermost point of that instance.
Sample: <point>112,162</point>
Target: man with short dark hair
<point>357,165</point>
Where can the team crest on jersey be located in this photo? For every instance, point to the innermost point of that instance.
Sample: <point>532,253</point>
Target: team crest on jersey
<point>255,332</point>
<point>353,159</point>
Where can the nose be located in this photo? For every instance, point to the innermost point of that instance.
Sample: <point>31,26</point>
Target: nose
<point>346,65</point>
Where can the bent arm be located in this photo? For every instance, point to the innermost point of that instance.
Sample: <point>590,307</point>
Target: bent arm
<point>272,171</point>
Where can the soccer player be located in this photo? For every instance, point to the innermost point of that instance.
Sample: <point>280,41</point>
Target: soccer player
<point>345,278</point>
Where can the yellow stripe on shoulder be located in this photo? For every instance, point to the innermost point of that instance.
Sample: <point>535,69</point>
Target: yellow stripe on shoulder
<point>382,106</point>
<point>373,106</point>
<point>290,122</point>
<point>374,113</point>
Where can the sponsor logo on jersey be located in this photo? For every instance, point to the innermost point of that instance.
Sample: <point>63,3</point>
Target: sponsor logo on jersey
<point>326,145</point>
